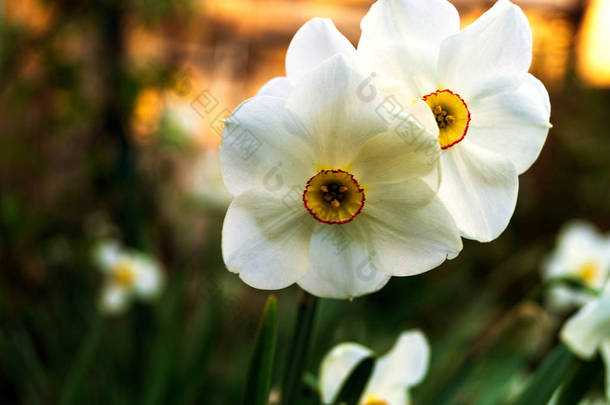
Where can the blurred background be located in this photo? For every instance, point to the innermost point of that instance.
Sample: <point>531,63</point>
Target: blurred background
<point>110,122</point>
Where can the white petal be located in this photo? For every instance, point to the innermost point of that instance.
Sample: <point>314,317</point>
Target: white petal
<point>113,300</point>
<point>277,87</point>
<point>585,331</point>
<point>490,55</point>
<point>337,365</point>
<point>266,239</point>
<point>605,353</point>
<point>106,254</point>
<point>328,108</point>
<point>401,38</point>
<point>149,278</point>
<point>402,367</point>
<point>562,298</point>
<point>409,151</point>
<point>261,150</point>
<point>340,262</point>
<point>480,190</point>
<point>514,124</point>
<point>410,229</point>
<point>313,43</point>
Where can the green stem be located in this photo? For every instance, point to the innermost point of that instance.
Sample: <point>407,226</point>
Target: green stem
<point>295,362</point>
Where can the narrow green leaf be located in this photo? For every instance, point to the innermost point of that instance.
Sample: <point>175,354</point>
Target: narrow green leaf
<point>258,382</point>
<point>84,358</point>
<point>354,386</point>
<point>292,386</point>
<point>584,377</point>
<point>556,368</point>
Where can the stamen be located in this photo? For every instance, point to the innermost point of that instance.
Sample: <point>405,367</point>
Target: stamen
<point>451,114</point>
<point>333,197</point>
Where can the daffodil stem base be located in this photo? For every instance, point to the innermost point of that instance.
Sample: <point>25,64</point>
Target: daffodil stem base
<point>296,359</point>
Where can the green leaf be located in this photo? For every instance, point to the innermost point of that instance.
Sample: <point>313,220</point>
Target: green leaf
<point>556,368</point>
<point>76,378</point>
<point>292,385</point>
<point>584,377</point>
<point>354,386</point>
<point>258,382</point>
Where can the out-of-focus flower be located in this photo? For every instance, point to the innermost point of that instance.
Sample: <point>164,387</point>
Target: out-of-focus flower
<point>326,196</point>
<point>588,332</point>
<point>404,366</point>
<point>204,179</point>
<point>493,116</point>
<point>581,253</point>
<point>128,274</point>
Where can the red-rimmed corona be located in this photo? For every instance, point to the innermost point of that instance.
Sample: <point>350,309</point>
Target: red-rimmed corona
<point>451,114</point>
<point>333,197</point>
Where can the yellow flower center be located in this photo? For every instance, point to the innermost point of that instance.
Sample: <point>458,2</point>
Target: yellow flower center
<point>333,197</point>
<point>123,275</point>
<point>588,273</point>
<point>375,401</point>
<point>451,114</point>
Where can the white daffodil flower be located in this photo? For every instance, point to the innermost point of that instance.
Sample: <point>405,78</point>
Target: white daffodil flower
<point>404,366</point>
<point>327,195</point>
<point>583,253</point>
<point>588,332</point>
<point>493,116</point>
<point>127,274</point>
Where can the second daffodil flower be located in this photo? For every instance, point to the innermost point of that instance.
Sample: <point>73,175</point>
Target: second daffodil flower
<point>128,274</point>
<point>325,195</point>
<point>404,366</point>
<point>492,114</point>
<point>581,253</point>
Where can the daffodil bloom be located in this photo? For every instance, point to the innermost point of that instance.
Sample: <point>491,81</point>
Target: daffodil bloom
<point>588,332</point>
<point>128,274</point>
<point>326,195</point>
<point>493,115</point>
<point>581,253</point>
<point>404,366</point>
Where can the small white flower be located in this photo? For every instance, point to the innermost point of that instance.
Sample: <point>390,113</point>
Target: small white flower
<point>493,116</point>
<point>404,366</point>
<point>127,274</point>
<point>326,195</point>
<point>583,253</point>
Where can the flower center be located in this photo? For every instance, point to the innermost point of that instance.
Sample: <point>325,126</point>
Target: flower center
<point>333,197</point>
<point>375,401</point>
<point>451,114</point>
<point>588,273</point>
<point>123,275</point>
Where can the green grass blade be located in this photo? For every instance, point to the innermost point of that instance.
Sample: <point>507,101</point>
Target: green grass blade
<point>354,386</point>
<point>584,377</point>
<point>556,368</point>
<point>74,381</point>
<point>258,382</point>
